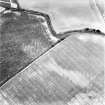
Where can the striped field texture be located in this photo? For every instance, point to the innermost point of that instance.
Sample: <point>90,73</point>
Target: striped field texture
<point>71,73</point>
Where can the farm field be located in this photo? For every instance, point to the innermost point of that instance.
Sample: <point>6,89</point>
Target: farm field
<point>69,73</point>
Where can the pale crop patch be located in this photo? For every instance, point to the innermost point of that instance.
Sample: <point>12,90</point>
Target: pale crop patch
<point>75,76</point>
<point>94,38</point>
<point>50,36</point>
<point>33,49</point>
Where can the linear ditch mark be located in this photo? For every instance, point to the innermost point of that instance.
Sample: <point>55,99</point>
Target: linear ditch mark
<point>51,29</point>
<point>7,6</point>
